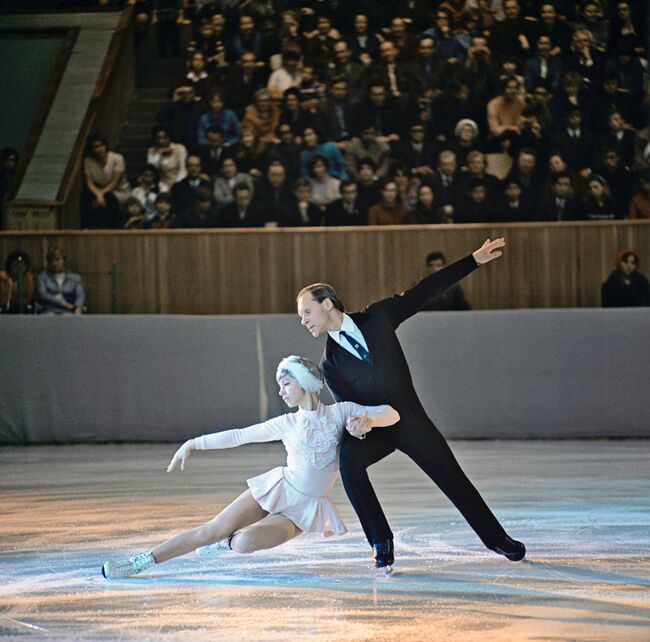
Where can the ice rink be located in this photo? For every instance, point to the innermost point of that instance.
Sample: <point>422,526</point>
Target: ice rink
<point>581,507</point>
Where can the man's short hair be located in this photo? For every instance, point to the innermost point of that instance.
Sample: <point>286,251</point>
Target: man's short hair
<point>322,291</point>
<point>436,256</point>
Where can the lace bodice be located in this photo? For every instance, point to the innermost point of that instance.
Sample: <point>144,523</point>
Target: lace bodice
<point>315,438</point>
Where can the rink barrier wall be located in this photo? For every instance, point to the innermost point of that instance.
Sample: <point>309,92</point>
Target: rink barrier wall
<point>259,271</point>
<point>525,374</point>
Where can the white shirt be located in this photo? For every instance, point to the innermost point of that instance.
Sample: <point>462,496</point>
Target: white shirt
<point>350,327</point>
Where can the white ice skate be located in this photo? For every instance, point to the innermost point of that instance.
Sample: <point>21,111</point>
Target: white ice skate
<point>116,569</point>
<point>214,549</point>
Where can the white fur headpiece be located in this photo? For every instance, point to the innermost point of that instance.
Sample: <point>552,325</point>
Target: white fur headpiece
<point>306,379</point>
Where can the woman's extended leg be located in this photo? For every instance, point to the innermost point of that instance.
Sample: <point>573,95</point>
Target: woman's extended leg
<point>241,513</point>
<point>268,532</point>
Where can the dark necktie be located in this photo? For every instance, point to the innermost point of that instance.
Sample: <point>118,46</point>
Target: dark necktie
<point>364,355</point>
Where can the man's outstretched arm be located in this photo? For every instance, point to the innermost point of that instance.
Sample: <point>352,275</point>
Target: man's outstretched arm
<point>405,305</point>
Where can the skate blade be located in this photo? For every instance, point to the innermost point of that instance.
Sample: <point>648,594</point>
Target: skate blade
<point>384,571</point>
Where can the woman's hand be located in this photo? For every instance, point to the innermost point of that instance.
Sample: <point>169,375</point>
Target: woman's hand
<point>182,456</point>
<point>489,251</point>
<point>359,426</point>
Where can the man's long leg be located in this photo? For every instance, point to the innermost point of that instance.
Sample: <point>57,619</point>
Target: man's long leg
<point>428,449</point>
<point>356,456</point>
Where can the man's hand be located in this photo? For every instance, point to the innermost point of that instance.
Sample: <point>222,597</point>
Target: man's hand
<point>489,251</point>
<point>182,456</point>
<point>359,426</point>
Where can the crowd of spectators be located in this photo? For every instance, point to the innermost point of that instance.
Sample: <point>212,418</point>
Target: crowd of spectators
<point>408,111</point>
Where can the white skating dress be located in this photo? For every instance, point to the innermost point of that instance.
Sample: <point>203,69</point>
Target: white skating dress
<point>300,490</point>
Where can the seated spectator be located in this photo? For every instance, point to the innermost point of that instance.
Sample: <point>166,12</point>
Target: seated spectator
<point>325,188</point>
<point>218,115</point>
<point>368,184</point>
<point>214,152</point>
<point>346,210</point>
<point>447,184</point>
<point>479,69</point>
<point>451,299</point>
<point>312,90</point>
<point>591,19</point>
<point>367,145</point>
<point>197,76</point>
<point>599,205</point>
<point>288,76</point>
<point>425,210</point>
<point>330,151</point>
<point>134,216</point>
<point>344,67</point>
<point>242,81</point>
<point>183,191</point>
<point>250,153</point>
<point>390,210</point>
<point>274,194</point>
<point>295,116</point>
<point>417,154</point>
<point>148,188</point>
<point>227,180</point>
<point>626,287</point>
<point>164,217</point>
<point>59,291</point>
<point>203,213</point>
<point>246,38</point>
<point>624,27</point>
<point>466,140</point>
<point>377,108</point>
<point>17,284</point>
<point>514,208</point>
<point>640,204</point>
<point>449,46</point>
<point>560,205</point>
<point>180,116</point>
<point>526,172</point>
<point>263,116</point>
<point>621,180</point>
<point>106,185</point>
<point>474,205</point>
<point>243,211</point>
<point>570,97</point>
<point>511,37</point>
<point>287,151</point>
<point>543,66</point>
<point>407,184</point>
<point>551,24</point>
<point>585,59</point>
<point>168,157</point>
<point>334,114</point>
<point>477,168</point>
<point>504,114</point>
<point>620,136</point>
<point>303,212</point>
<point>575,143</point>
<point>363,43</point>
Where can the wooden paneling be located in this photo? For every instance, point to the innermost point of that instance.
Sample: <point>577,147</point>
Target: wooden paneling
<point>260,271</point>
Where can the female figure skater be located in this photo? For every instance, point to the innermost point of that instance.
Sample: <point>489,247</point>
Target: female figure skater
<point>285,501</point>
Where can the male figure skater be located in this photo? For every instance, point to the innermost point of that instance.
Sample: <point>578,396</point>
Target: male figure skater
<point>363,362</point>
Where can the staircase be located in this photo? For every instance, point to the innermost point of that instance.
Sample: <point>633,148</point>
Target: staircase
<point>135,137</point>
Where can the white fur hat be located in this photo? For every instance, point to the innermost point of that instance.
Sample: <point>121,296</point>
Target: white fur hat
<point>304,371</point>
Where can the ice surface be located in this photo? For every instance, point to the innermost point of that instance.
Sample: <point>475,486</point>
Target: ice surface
<point>581,507</point>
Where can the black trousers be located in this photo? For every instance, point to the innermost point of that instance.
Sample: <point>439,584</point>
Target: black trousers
<point>424,444</point>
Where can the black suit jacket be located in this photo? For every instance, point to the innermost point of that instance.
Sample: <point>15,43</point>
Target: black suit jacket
<point>183,193</point>
<point>336,214</point>
<point>329,124</point>
<point>387,380</point>
<point>229,216</point>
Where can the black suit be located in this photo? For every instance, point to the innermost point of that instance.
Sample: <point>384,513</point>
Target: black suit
<point>337,214</point>
<point>387,380</point>
<point>327,118</point>
<point>229,216</point>
<point>183,193</point>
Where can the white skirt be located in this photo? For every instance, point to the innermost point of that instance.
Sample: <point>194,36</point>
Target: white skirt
<point>311,514</point>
